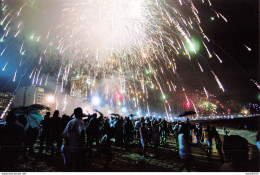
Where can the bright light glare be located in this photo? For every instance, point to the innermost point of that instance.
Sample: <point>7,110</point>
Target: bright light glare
<point>124,110</point>
<point>50,99</point>
<point>96,101</point>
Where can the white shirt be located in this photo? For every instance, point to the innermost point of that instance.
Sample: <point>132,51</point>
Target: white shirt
<point>74,133</point>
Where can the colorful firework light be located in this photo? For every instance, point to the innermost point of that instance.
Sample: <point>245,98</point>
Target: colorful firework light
<point>118,49</point>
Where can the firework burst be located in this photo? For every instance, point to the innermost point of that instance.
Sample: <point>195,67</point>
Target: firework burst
<point>140,43</point>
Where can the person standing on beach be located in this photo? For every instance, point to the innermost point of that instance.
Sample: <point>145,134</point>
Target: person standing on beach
<point>218,143</point>
<point>74,136</point>
<point>184,147</point>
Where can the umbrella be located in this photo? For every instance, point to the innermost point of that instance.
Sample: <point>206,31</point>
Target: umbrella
<point>32,115</point>
<point>186,113</point>
<point>115,114</point>
<point>40,107</point>
<point>34,120</point>
<point>132,115</point>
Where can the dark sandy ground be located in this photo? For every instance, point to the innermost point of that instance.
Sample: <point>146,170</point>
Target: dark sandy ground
<point>129,160</point>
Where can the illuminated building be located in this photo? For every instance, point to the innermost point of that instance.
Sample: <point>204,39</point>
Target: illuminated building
<point>26,96</point>
<point>4,100</point>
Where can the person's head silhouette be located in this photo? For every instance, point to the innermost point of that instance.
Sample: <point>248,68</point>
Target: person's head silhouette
<point>78,112</point>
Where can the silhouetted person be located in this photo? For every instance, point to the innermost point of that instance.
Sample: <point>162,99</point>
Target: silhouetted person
<point>12,140</point>
<point>31,135</point>
<point>143,130</point>
<point>236,151</point>
<point>218,143</point>
<point>74,136</point>
<point>105,129</point>
<point>198,132</point>
<point>155,136</point>
<point>119,132</point>
<point>128,128</point>
<point>104,148</point>
<point>148,124</point>
<point>137,130</point>
<point>207,134</point>
<point>64,121</point>
<point>45,136</point>
<point>112,122</point>
<point>176,131</point>
<point>56,132</point>
<point>164,132</point>
<point>93,132</point>
<point>184,146</point>
<point>23,122</point>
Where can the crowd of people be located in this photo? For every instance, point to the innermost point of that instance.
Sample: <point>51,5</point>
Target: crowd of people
<point>74,137</point>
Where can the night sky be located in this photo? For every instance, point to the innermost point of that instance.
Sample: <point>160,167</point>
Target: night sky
<point>239,65</point>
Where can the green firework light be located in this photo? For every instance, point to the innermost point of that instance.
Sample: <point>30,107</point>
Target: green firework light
<point>195,45</point>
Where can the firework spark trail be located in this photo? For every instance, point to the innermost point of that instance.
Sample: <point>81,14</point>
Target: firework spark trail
<point>200,67</point>
<point>256,83</point>
<point>134,34</point>
<point>248,48</point>
<point>5,66</point>
<point>31,73</point>
<point>206,92</point>
<point>218,81</point>
<point>34,77</point>
<point>220,60</point>
<point>7,107</point>
<point>38,75</point>
<point>3,51</point>
<point>41,81</point>
<point>210,56</point>
<point>194,106</point>
<point>14,76</point>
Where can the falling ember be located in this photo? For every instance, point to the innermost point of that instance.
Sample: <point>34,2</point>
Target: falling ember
<point>17,33</point>
<point>21,48</point>
<point>206,92</point>
<point>20,63</point>
<point>223,17</point>
<point>34,77</point>
<point>2,22</point>
<point>210,56</point>
<point>5,66</point>
<point>248,48</point>
<point>40,60</point>
<point>38,75</point>
<point>7,107</point>
<point>218,57</point>
<point>14,76</point>
<point>200,67</point>
<point>31,73</point>
<point>3,51</point>
<point>41,81</point>
<point>45,84</point>
<point>195,109</point>
<point>256,83</point>
<point>219,83</point>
